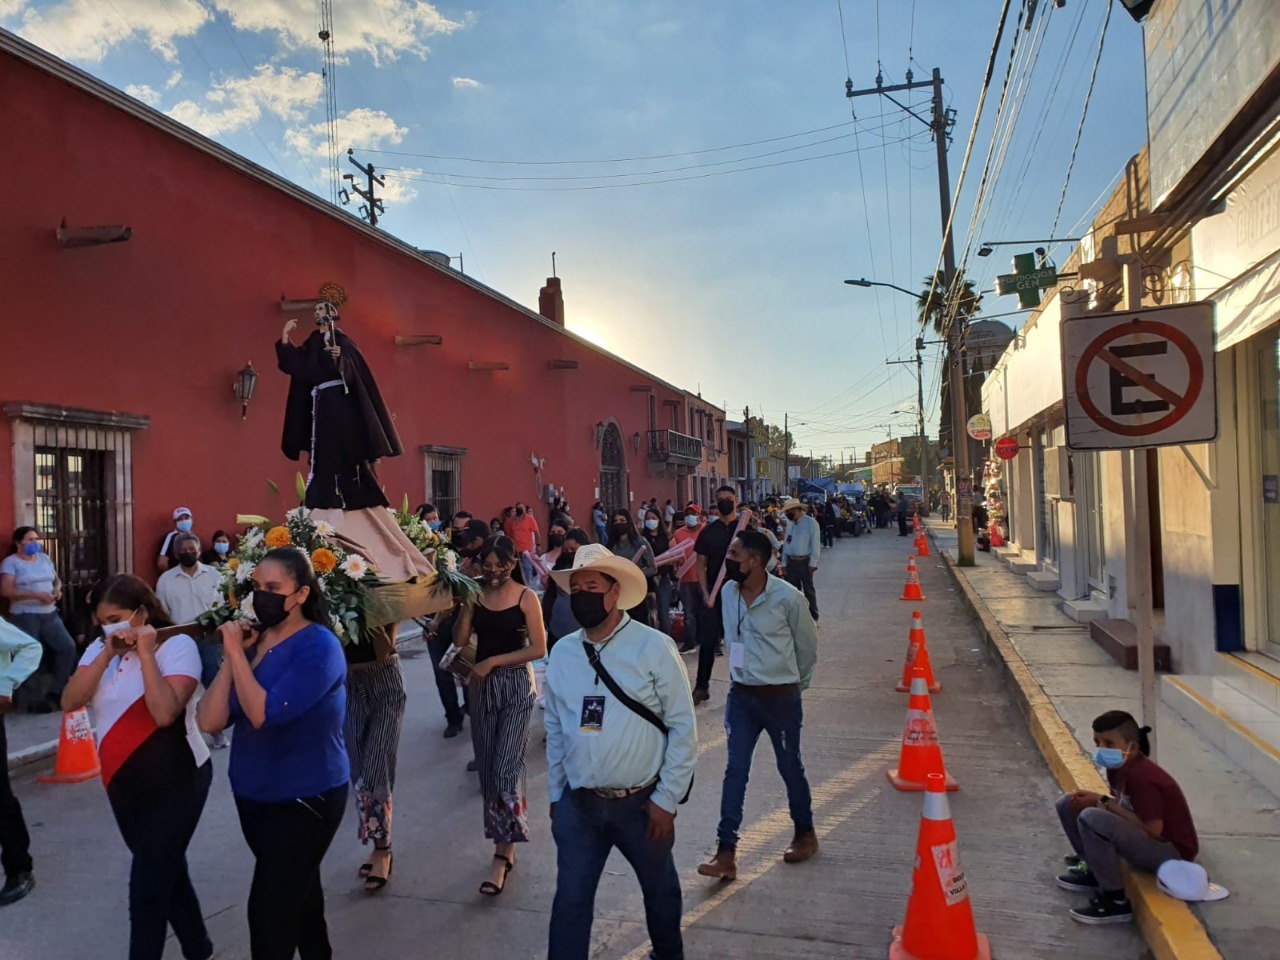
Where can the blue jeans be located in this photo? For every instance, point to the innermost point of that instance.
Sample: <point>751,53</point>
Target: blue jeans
<point>663,590</point>
<point>694,610</point>
<point>748,712</point>
<point>586,828</point>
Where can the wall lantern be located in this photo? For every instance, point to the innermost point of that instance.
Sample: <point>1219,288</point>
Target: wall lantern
<point>246,380</point>
<point>635,442</point>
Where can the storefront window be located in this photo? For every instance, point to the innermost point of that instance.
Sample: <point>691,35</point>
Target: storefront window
<point>1269,420</point>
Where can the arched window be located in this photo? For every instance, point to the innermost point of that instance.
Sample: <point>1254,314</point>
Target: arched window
<point>612,469</point>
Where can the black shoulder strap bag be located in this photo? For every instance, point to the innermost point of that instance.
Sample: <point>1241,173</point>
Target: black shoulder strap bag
<point>635,706</point>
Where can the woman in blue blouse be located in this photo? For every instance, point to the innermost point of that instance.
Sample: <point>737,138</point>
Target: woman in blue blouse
<point>283,687</point>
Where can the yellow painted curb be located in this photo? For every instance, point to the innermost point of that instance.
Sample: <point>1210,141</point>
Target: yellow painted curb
<point>1171,930</point>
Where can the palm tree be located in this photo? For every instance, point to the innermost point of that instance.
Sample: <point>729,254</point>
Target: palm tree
<point>935,309</point>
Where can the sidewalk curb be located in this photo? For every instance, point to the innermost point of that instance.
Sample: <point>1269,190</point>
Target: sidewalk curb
<point>1171,930</point>
<point>30,756</point>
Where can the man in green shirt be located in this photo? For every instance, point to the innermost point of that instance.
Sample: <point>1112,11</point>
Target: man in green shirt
<point>773,648</point>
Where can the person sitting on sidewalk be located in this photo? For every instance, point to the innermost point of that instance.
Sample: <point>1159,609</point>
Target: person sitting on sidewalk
<point>1146,823</point>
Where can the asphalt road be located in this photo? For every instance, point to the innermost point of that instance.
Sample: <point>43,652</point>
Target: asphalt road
<point>841,904</point>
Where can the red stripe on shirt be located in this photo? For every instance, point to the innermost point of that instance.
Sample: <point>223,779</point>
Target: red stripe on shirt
<point>125,736</point>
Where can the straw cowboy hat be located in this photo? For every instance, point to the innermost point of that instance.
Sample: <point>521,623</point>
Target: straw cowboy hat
<point>594,556</point>
<point>792,504</point>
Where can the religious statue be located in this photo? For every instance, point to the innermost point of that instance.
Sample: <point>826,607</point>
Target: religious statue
<point>336,414</point>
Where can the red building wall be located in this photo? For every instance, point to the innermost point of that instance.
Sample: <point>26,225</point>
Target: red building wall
<point>160,325</point>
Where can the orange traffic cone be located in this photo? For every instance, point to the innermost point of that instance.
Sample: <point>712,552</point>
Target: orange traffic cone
<point>920,754</point>
<point>911,591</point>
<point>915,523</point>
<point>917,656</point>
<point>939,922</point>
<point>77,756</point>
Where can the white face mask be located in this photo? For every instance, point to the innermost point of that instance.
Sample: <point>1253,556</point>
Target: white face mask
<point>651,524</point>
<point>691,520</point>
<point>109,628</point>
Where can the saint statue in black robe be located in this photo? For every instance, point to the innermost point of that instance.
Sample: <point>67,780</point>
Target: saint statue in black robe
<point>336,414</point>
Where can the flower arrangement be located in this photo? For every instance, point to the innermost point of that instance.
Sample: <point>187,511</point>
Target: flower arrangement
<point>347,578</point>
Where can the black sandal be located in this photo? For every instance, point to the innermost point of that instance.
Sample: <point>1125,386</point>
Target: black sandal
<point>373,883</point>
<point>365,870</point>
<point>491,889</point>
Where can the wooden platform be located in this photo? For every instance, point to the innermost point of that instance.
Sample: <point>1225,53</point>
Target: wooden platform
<point>1120,639</point>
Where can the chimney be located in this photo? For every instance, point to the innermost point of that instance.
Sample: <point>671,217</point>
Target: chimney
<point>551,301</point>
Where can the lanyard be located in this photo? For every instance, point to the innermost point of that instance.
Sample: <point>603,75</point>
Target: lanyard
<point>609,639</point>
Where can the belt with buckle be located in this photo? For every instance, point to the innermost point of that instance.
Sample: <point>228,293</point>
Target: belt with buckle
<point>616,793</point>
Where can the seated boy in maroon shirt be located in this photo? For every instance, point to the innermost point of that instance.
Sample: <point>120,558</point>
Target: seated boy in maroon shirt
<point>1144,824</point>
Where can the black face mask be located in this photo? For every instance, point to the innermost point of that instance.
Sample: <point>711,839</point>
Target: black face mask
<point>725,507</point>
<point>733,570</point>
<point>588,608</point>
<point>188,560</point>
<point>555,540</point>
<point>564,561</point>
<point>268,608</point>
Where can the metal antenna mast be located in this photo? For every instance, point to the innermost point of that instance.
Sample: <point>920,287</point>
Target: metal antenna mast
<point>330,95</point>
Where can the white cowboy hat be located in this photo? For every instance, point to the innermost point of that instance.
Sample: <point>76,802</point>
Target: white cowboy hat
<point>594,556</point>
<point>792,504</point>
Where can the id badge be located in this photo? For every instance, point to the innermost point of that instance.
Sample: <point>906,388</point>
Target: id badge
<point>592,715</point>
<point>737,656</point>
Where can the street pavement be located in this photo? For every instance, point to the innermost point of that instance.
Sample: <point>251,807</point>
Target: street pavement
<point>841,904</point>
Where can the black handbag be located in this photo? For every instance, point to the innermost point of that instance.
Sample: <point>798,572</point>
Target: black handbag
<point>635,706</point>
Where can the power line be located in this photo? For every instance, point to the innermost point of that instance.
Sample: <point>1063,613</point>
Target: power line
<point>1083,113</point>
<point>642,183</point>
<point>657,156</point>
<point>843,39</point>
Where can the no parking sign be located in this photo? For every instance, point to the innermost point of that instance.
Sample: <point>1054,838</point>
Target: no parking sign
<point>1143,378</point>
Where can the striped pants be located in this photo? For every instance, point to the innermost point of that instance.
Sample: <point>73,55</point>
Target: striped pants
<point>501,705</point>
<point>375,716</point>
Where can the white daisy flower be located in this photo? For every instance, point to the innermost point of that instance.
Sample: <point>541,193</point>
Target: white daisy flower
<point>355,566</point>
<point>244,572</point>
<point>324,528</point>
<point>297,513</point>
<point>246,608</point>
<point>253,538</point>
<point>451,562</point>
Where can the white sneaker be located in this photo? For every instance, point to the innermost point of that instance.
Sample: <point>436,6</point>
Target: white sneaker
<point>220,741</point>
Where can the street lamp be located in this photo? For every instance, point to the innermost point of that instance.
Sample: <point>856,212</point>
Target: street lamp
<point>988,246</point>
<point>243,387</point>
<point>864,282</point>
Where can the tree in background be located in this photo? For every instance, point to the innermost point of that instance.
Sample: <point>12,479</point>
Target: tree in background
<point>935,311</point>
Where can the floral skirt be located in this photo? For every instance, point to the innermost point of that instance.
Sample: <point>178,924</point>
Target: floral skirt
<point>501,705</point>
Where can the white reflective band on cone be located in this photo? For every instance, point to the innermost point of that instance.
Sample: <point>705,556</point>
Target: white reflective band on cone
<point>919,687</point>
<point>935,807</point>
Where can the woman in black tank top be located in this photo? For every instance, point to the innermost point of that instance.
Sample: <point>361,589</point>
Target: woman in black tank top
<point>507,623</point>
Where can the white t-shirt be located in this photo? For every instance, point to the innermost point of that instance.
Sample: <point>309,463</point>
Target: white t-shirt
<point>125,728</point>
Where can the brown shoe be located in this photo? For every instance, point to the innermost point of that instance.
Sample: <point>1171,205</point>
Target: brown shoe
<point>723,866</point>
<point>700,696</point>
<point>803,846</point>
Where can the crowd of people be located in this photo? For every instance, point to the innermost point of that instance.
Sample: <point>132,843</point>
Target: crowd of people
<point>588,626</point>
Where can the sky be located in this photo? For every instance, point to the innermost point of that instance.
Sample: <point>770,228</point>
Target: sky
<point>719,270</point>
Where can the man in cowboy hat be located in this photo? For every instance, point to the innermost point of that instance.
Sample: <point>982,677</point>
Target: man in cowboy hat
<point>613,776</point>
<point>800,551</point>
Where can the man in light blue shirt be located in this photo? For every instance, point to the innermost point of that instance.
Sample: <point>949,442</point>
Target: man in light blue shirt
<point>800,551</point>
<point>19,657</point>
<point>614,778</point>
<point>773,648</point>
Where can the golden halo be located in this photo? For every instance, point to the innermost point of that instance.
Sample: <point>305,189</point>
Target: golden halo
<point>334,293</point>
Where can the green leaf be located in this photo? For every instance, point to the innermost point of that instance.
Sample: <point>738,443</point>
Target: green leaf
<point>404,506</point>
<point>271,485</point>
<point>302,488</point>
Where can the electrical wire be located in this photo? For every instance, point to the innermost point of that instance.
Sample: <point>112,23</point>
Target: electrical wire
<point>658,156</point>
<point>1083,114</point>
<point>618,186</point>
<point>843,39</point>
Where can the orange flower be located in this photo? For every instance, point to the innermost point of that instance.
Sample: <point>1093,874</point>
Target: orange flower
<point>233,562</point>
<point>278,537</point>
<point>324,561</point>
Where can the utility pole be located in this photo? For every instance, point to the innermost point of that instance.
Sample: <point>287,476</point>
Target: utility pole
<point>923,457</point>
<point>372,205</point>
<point>940,123</point>
<point>786,452</point>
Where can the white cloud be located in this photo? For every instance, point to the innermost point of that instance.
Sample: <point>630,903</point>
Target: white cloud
<point>399,188</point>
<point>361,127</point>
<point>466,83</point>
<point>140,91</point>
<point>85,30</point>
<point>384,29</point>
<point>175,78</point>
<point>240,101</point>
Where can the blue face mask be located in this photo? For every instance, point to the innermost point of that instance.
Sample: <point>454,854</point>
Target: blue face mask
<point>434,525</point>
<point>1109,758</point>
<point>32,548</point>
<point>222,548</point>
<point>184,526</point>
